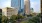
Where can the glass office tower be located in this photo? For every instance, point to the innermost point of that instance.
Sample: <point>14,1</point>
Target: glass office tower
<point>18,4</point>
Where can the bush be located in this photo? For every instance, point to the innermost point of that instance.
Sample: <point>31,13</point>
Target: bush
<point>29,15</point>
<point>4,19</point>
<point>0,18</point>
<point>20,16</point>
<point>35,19</point>
<point>13,18</point>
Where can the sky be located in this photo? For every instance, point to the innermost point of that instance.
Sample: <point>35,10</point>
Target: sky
<point>35,4</point>
<point>5,3</point>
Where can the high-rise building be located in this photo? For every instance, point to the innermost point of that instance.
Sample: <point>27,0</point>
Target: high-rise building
<point>21,12</point>
<point>16,3</point>
<point>27,7</point>
<point>21,9</point>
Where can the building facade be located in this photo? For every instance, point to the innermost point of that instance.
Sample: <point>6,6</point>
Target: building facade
<point>27,7</point>
<point>21,9</point>
<point>9,11</point>
<point>21,12</point>
<point>16,3</point>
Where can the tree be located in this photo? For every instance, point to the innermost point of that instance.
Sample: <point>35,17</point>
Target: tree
<point>4,19</point>
<point>35,19</point>
<point>20,17</point>
<point>0,15</point>
<point>13,18</point>
<point>0,18</point>
<point>29,15</point>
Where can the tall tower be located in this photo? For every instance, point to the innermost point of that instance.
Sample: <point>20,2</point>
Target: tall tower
<point>16,3</point>
<point>21,7</point>
<point>27,7</point>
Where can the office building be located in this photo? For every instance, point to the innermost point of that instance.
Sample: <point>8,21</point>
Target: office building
<point>8,11</point>
<point>16,3</point>
<point>27,7</point>
<point>21,11</point>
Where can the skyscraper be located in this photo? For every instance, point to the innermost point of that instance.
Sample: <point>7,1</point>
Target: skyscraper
<point>21,9</point>
<point>19,4</point>
<point>16,3</point>
<point>27,7</point>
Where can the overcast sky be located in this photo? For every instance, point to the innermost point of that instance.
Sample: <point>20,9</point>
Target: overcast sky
<point>35,4</point>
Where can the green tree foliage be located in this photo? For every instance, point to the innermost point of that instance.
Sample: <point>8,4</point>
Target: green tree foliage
<point>13,18</point>
<point>35,19</point>
<point>20,16</point>
<point>0,18</point>
<point>4,19</point>
<point>29,15</point>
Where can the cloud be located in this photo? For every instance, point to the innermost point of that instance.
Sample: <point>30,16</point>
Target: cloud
<point>35,6</point>
<point>5,3</point>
